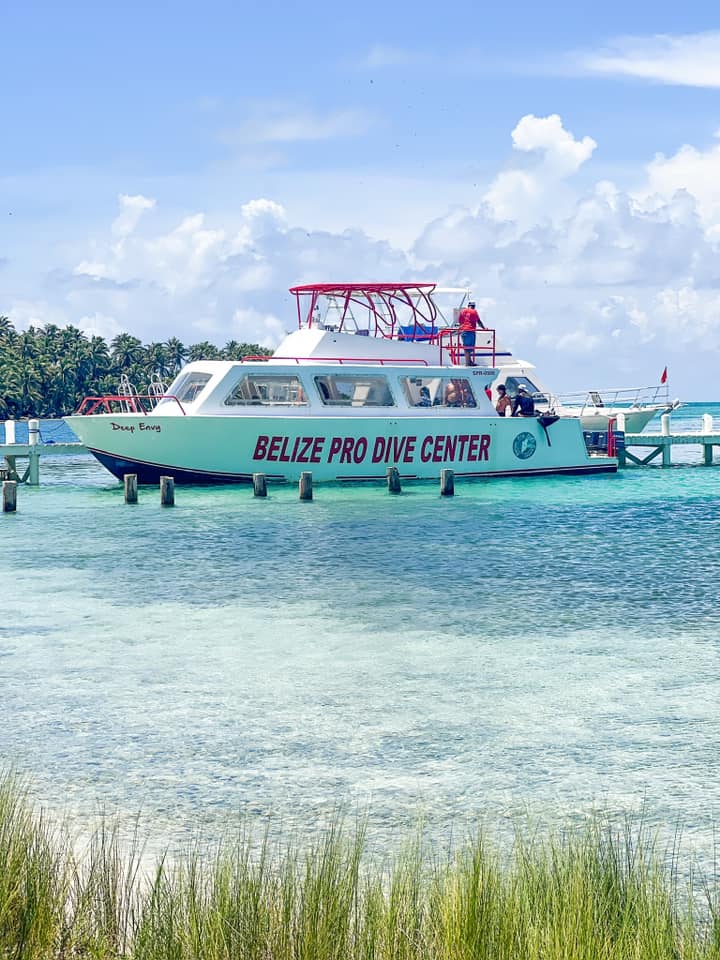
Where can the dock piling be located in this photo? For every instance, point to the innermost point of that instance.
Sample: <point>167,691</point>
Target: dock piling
<point>33,478</point>
<point>666,447</point>
<point>393,480</point>
<point>9,496</point>
<point>167,491</point>
<point>305,485</point>
<point>259,485</point>
<point>707,447</point>
<point>620,440</point>
<point>447,483</point>
<point>130,485</point>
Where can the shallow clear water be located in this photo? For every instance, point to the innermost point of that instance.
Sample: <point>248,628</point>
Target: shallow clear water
<point>547,645</point>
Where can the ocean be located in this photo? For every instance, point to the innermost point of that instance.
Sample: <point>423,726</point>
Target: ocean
<point>539,648</point>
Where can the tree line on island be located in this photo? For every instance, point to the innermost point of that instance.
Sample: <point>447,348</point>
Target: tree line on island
<point>47,371</point>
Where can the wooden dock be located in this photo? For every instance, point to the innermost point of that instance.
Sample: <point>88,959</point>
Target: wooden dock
<point>31,452</point>
<point>661,444</point>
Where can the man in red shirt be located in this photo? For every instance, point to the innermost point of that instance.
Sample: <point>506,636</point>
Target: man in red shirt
<point>469,321</point>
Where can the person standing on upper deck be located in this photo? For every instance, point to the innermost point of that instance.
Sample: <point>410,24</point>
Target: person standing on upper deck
<point>469,321</point>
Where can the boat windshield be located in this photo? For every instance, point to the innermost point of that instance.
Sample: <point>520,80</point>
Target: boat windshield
<point>513,383</point>
<point>188,386</point>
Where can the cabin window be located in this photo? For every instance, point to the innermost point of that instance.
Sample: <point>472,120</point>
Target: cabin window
<point>438,392</point>
<point>348,390</point>
<point>512,384</point>
<point>189,386</point>
<point>270,390</point>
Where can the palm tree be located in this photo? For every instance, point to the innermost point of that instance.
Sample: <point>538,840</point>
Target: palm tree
<point>156,360</point>
<point>230,351</point>
<point>176,354</point>
<point>126,350</point>
<point>203,351</point>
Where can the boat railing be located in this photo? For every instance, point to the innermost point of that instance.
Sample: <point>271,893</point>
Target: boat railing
<point>624,397</point>
<point>139,403</point>
<point>449,340</point>
<point>381,361</point>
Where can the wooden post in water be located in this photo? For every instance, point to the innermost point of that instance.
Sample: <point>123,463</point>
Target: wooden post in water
<point>620,446</point>
<point>167,491</point>
<point>259,485</point>
<point>34,453</point>
<point>9,496</point>
<point>447,483</point>
<point>666,446</point>
<point>393,480</point>
<point>130,485</point>
<point>306,485</point>
<point>9,432</point>
<point>707,447</point>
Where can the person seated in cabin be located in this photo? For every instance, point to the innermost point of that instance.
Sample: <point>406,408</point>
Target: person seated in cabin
<point>452,396</point>
<point>424,399</point>
<point>523,405</point>
<point>503,401</point>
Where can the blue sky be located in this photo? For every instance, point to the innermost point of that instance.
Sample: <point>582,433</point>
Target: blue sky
<point>171,169</point>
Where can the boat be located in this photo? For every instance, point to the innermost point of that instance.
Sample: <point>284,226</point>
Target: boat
<point>367,381</point>
<point>598,408</point>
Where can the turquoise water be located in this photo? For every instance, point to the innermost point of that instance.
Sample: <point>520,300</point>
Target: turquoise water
<point>545,646</point>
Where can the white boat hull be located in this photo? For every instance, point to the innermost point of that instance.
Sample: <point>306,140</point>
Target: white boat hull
<point>598,419</point>
<point>226,449</point>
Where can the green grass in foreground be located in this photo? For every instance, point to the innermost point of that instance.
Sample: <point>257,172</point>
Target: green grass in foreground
<point>590,893</point>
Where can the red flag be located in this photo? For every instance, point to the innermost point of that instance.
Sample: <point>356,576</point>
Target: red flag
<point>663,378</point>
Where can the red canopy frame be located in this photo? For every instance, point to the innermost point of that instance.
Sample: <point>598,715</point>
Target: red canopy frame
<point>389,306</point>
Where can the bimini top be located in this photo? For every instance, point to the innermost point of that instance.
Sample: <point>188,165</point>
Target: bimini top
<point>389,310</point>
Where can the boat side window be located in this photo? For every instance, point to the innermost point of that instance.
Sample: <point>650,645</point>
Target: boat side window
<point>350,390</point>
<point>267,390</point>
<point>188,387</point>
<point>457,392</point>
<point>438,392</point>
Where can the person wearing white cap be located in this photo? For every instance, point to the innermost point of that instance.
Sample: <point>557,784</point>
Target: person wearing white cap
<point>523,405</point>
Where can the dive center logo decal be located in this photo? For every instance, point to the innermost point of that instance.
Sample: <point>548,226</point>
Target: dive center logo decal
<point>524,446</point>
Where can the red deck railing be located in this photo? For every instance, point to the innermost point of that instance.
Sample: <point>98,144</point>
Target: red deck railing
<point>143,403</point>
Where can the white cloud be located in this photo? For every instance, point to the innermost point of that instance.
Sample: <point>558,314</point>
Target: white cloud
<point>91,268</point>
<point>687,60</point>
<point>381,55</point>
<point>697,171</point>
<point>131,210</point>
<point>100,325</point>
<point>283,123</point>
<point>562,154</point>
<point>604,280</point>
<point>576,341</point>
<point>202,279</point>
<point>524,194</point>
